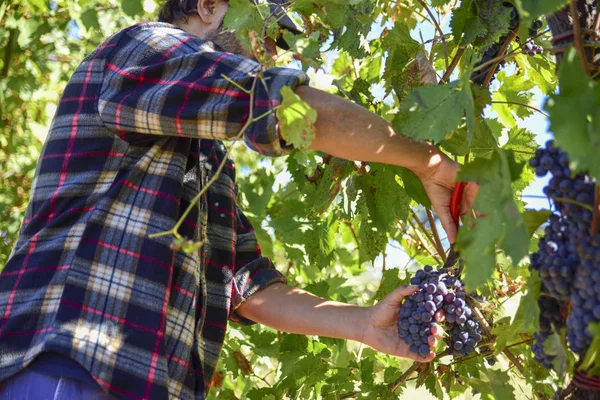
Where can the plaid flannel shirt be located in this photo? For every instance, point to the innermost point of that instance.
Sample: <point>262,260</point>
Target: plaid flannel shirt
<point>137,132</point>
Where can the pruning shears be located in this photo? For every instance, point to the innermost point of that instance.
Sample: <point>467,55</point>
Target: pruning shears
<point>455,202</point>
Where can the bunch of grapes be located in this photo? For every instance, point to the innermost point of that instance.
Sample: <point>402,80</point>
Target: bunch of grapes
<point>551,320</point>
<point>577,190</point>
<point>439,299</point>
<point>568,259</point>
<point>493,51</point>
<point>585,300</point>
<point>556,260</point>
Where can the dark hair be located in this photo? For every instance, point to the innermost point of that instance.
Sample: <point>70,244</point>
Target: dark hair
<point>174,10</point>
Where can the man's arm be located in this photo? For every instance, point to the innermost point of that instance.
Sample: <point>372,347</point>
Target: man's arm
<point>347,130</point>
<point>293,310</point>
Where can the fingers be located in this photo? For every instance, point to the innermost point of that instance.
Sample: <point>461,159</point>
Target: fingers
<point>432,341</point>
<point>469,195</point>
<point>437,331</point>
<point>448,224</point>
<point>400,293</point>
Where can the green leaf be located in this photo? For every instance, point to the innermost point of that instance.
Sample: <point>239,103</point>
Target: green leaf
<point>502,226</point>
<point>244,16</point>
<point>89,18</point>
<point>575,115</point>
<point>540,70</point>
<point>480,22</point>
<point>432,383</point>
<point>554,346</point>
<point>401,50</point>
<point>420,112</point>
<point>515,89</point>
<point>372,239</point>
<point>534,219</point>
<point>386,199</point>
<point>527,318</point>
<point>591,361</point>
<point>297,119</point>
<point>523,144</point>
<point>133,8</point>
<point>414,187</point>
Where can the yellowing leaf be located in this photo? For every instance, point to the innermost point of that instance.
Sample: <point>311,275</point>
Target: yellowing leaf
<point>297,119</point>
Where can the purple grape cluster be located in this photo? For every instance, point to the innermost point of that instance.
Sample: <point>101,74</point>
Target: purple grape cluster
<point>440,299</point>
<point>585,300</point>
<point>493,51</point>
<point>531,49</point>
<point>568,259</point>
<point>551,320</point>
<point>577,189</point>
<point>556,260</point>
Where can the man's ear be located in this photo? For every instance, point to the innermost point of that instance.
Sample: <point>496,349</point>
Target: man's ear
<point>206,12</point>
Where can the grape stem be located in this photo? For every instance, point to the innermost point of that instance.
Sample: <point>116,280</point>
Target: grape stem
<point>565,200</point>
<point>523,105</point>
<point>425,231</point>
<point>452,66</point>
<point>436,235</point>
<point>396,384</point>
<point>485,326</point>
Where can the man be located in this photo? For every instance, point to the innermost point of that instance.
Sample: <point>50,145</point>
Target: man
<point>92,307</point>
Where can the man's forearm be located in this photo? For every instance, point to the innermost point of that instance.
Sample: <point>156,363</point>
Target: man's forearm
<point>347,130</point>
<point>292,310</point>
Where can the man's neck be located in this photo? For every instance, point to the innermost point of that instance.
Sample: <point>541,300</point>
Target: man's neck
<point>193,26</point>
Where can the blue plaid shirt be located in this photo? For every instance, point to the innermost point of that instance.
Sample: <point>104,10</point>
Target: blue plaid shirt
<point>136,135</point>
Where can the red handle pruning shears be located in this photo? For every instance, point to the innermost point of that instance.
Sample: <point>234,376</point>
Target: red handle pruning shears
<point>456,200</point>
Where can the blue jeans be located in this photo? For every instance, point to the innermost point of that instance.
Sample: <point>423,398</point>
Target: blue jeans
<point>32,385</point>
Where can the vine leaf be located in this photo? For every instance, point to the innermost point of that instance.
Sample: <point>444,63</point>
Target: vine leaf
<point>592,357</point>
<point>384,196</point>
<point>575,115</point>
<point>132,8</point>
<point>516,89</point>
<point>494,384</point>
<point>502,225</point>
<point>419,115</point>
<point>414,187</point>
<point>529,311</point>
<point>480,22</point>
<point>297,119</point>
<point>401,50</point>
<point>534,219</point>
<point>554,346</point>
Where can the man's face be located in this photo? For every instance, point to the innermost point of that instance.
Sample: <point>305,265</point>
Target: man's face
<point>227,40</point>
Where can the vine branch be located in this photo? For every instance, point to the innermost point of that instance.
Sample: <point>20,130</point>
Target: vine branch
<point>436,235</point>
<point>577,36</point>
<point>596,215</point>
<point>438,28</point>
<point>452,66</point>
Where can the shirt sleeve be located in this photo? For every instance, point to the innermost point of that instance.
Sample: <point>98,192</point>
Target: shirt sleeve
<point>163,81</point>
<point>252,271</point>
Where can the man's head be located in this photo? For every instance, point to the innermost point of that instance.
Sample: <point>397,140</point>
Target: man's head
<point>204,18</point>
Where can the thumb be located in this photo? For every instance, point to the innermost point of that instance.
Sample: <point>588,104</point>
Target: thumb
<point>396,297</point>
